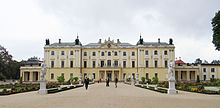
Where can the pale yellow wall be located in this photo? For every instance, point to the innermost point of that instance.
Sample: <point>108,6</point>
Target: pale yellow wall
<point>208,72</point>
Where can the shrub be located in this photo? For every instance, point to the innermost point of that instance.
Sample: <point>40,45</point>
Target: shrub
<point>212,80</point>
<point>143,79</point>
<point>148,80</point>
<point>60,79</point>
<point>128,79</point>
<point>218,82</point>
<point>75,79</point>
<point>155,80</point>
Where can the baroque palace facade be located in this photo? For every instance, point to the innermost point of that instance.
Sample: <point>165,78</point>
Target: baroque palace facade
<point>104,59</point>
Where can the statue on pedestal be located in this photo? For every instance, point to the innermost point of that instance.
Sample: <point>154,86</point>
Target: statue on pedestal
<point>43,81</point>
<point>172,89</point>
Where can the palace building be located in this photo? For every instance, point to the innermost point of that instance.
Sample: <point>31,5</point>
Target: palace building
<point>106,59</point>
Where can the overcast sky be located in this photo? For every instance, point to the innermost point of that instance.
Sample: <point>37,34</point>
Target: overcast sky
<point>25,24</point>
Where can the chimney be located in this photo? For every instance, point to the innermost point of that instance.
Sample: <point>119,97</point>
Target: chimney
<point>118,41</point>
<point>100,41</point>
<point>158,40</point>
<point>59,41</point>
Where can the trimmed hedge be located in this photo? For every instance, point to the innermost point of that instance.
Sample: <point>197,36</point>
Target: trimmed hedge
<point>152,88</point>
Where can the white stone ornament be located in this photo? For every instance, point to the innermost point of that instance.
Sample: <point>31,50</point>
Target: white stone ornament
<point>172,89</point>
<point>147,85</point>
<point>155,87</point>
<point>43,82</point>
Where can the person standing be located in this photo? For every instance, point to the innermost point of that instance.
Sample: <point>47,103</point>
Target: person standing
<point>116,81</point>
<point>86,82</point>
<point>107,82</point>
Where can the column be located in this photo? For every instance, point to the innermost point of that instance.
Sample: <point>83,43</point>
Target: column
<point>31,76</point>
<point>98,75</point>
<point>188,75</point>
<point>119,75</point>
<point>113,76</point>
<point>105,75</point>
<point>179,75</point>
<point>38,76</point>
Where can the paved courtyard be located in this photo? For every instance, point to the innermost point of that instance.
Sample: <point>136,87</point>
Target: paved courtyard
<point>98,96</point>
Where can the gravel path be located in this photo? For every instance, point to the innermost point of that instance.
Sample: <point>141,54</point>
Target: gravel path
<point>99,96</point>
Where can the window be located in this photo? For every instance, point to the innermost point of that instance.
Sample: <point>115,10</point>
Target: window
<point>146,52</point>
<point>133,75</point>
<point>103,53</point>
<point>204,77</point>
<point>52,76</point>
<point>155,52</point>
<point>124,53</point>
<point>156,75</point>
<point>116,63</point>
<point>109,53</point>
<point>116,53</point>
<point>52,52</point>
<point>213,76</point>
<point>62,74</point>
<point>71,52</point>
<point>62,64</point>
<point>93,64</point>
<point>85,64</point>
<point>204,69</point>
<point>165,64</point>
<point>146,64</point>
<point>124,64</point>
<point>93,53</point>
<point>71,75</point>
<point>93,75</point>
<point>85,53</point>
<point>102,63</point>
<point>133,54</point>
<point>109,63</point>
<point>165,52</point>
<point>71,64</point>
<point>52,64</point>
<point>147,76</point>
<point>133,64</point>
<point>62,52</point>
<point>155,63</point>
<point>212,69</point>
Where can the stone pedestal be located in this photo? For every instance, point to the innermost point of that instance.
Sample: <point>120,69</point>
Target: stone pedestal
<point>172,89</point>
<point>147,85</point>
<point>137,80</point>
<point>155,88</point>
<point>80,79</point>
<point>132,81</point>
<point>43,89</point>
<point>125,79</point>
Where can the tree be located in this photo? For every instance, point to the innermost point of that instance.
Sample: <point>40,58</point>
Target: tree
<point>216,30</point>
<point>198,61</point>
<point>205,62</point>
<point>155,80</point>
<point>215,62</point>
<point>143,79</point>
<point>60,79</point>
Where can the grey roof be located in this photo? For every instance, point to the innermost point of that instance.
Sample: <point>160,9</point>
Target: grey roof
<point>121,45</point>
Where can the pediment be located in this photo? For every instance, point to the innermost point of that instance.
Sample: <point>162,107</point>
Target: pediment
<point>109,44</point>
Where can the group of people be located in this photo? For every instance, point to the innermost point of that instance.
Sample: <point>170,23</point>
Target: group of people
<point>86,81</point>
